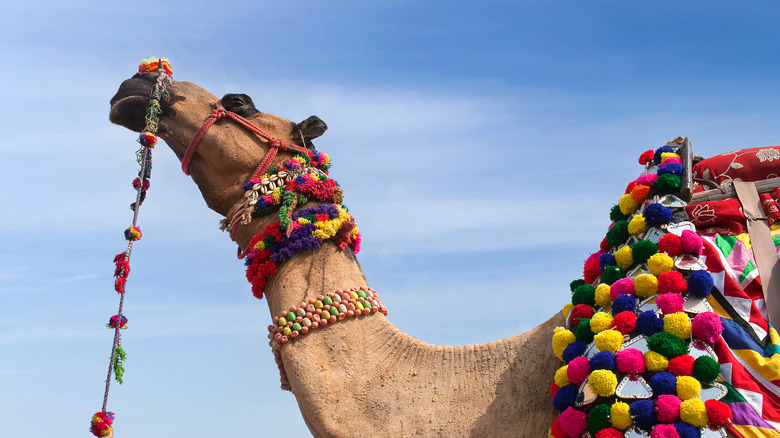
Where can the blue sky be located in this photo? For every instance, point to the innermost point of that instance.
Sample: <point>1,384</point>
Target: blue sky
<point>480,147</point>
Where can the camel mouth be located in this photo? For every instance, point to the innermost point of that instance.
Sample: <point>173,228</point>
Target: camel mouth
<point>128,106</point>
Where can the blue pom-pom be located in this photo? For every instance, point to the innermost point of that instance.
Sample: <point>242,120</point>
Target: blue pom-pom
<point>656,214</point>
<point>685,430</point>
<point>606,259</point>
<point>673,168</point>
<point>603,360</point>
<point>574,349</point>
<point>659,151</point>
<point>664,383</point>
<point>648,323</point>
<point>565,397</point>
<point>624,303</point>
<point>643,413</point>
<point>300,180</point>
<point>700,283</point>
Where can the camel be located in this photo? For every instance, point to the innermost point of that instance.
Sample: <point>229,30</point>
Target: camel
<point>362,376</point>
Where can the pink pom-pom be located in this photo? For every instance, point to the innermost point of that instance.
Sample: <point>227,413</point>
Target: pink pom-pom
<point>707,327</point>
<point>668,408</point>
<point>671,160</point>
<point>578,370</point>
<point>670,303</point>
<point>620,287</point>
<point>647,179</point>
<point>573,422</point>
<point>691,242</point>
<point>664,431</point>
<point>630,361</point>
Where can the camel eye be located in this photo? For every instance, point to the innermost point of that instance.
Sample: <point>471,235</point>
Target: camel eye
<point>240,104</point>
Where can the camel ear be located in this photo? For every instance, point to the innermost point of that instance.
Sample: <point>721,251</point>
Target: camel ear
<point>312,128</point>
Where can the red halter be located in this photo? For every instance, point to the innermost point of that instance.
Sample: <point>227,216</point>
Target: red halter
<point>220,112</point>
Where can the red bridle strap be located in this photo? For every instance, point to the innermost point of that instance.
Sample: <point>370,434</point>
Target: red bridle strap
<point>219,112</point>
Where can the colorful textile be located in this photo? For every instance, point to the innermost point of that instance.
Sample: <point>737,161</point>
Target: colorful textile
<point>755,164</point>
<point>726,216</point>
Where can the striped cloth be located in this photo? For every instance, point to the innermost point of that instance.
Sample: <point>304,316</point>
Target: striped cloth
<point>749,349</point>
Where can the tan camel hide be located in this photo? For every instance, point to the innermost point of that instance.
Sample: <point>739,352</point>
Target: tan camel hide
<point>359,377</point>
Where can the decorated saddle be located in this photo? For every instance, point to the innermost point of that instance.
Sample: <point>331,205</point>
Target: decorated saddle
<point>669,332</point>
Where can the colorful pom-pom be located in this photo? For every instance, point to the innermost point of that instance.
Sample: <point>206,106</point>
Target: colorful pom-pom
<point>700,283</point>
<point>647,179</point>
<point>691,242</point>
<point>668,183</point>
<point>670,303</point>
<point>616,215</point>
<point>611,274</point>
<point>670,167</point>
<point>705,369</point>
<point>656,362</point>
<point>101,423</point>
<point>656,215</point>
<point>658,155</point>
<point>561,379</point>
<point>132,233</point>
<point>631,361</point>
<point>640,192</point>
<point>575,283</point>
<point>668,408</point>
<point>678,324</point>
<point>648,323</point>
<point>584,294</point>
<point>117,321</point>
<point>646,157</point>
<point>579,312</point>
<point>591,270</point>
<point>603,382</point>
<point>609,433</point>
<point>620,287</point>
<point>707,327</point>
<point>618,233</point>
<point>627,204</point>
<point>603,360</point>
<point>565,396</point>
<point>643,250</point>
<point>583,332</point>
<point>719,413</point>
<point>609,340</point>
<point>577,370</point>
<point>667,344</point>
<point>153,64</point>
<point>694,412</point>
<point>574,349</point>
<point>664,382</point>
<point>624,257</point>
<point>681,365</point>
<point>603,296</point>
<point>688,387</point>
<point>553,389</point>
<point>598,418</point>
<point>620,414</point>
<point>601,321</point>
<point>670,244</point>
<point>624,303</point>
<point>637,225</point>
<point>660,263</point>
<point>573,422</point>
<point>646,285</point>
<point>643,413</point>
<point>625,322</point>
<point>556,431</point>
<point>685,430</point>
<point>606,259</point>
<point>148,139</point>
<point>671,282</point>
<point>561,339</point>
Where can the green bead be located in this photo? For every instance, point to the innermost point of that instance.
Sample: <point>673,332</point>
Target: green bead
<point>362,294</point>
<point>296,326</point>
<point>366,304</point>
<point>333,310</point>
<point>290,316</point>
<point>327,301</point>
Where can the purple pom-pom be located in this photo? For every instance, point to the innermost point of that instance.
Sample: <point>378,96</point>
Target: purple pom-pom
<point>659,151</point>
<point>606,259</point>
<point>574,349</point>
<point>648,323</point>
<point>624,303</point>
<point>643,413</point>
<point>564,397</point>
<point>700,283</point>
<point>603,360</point>
<point>685,430</point>
<point>656,214</point>
<point>664,383</point>
<point>673,168</point>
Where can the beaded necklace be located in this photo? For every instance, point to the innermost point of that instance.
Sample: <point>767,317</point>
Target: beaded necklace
<point>638,360</point>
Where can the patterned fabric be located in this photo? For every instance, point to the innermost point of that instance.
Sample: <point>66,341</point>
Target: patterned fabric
<point>755,164</point>
<point>726,216</point>
<point>749,349</point>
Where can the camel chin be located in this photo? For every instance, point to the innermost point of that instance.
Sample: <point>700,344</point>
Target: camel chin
<point>128,106</point>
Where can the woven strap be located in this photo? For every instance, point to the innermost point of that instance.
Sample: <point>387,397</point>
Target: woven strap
<point>763,248</point>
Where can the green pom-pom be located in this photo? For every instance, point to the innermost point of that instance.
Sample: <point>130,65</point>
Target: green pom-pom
<point>705,369</point>
<point>618,234</point>
<point>667,183</point>
<point>574,284</point>
<point>643,250</point>
<point>598,419</point>
<point>667,345</point>
<point>615,215</point>
<point>583,332</point>
<point>611,274</point>
<point>584,294</point>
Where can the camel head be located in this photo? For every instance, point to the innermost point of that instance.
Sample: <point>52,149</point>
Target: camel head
<point>228,153</point>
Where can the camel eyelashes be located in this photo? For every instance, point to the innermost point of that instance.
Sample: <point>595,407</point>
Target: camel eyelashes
<point>240,104</point>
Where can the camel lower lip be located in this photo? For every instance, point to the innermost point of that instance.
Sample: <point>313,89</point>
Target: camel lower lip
<point>129,112</point>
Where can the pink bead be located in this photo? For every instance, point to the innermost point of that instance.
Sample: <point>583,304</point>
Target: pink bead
<point>573,422</point>
<point>323,322</point>
<point>670,303</point>
<point>630,361</point>
<point>314,325</point>
<point>304,330</point>
<point>620,287</point>
<point>668,408</point>
<point>707,327</point>
<point>691,242</point>
<point>578,370</point>
<point>351,312</point>
<point>332,318</point>
<point>664,431</point>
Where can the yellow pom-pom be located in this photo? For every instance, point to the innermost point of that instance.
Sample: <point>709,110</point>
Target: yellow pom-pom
<point>656,362</point>
<point>560,376</point>
<point>603,382</point>
<point>693,412</point>
<point>600,321</point>
<point>627,204</point>
<point>665,155</point>
<point>566,309</point>
<point>646,285</point>
<point>660,263</point>
<point>688,387</point>
<point>609,340</point>
<point>637,225</point>
<point>602,295</point>
<point>678,324</point>
<point>620,415</point>
<point>561,339</point>
<point>624,257</point>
